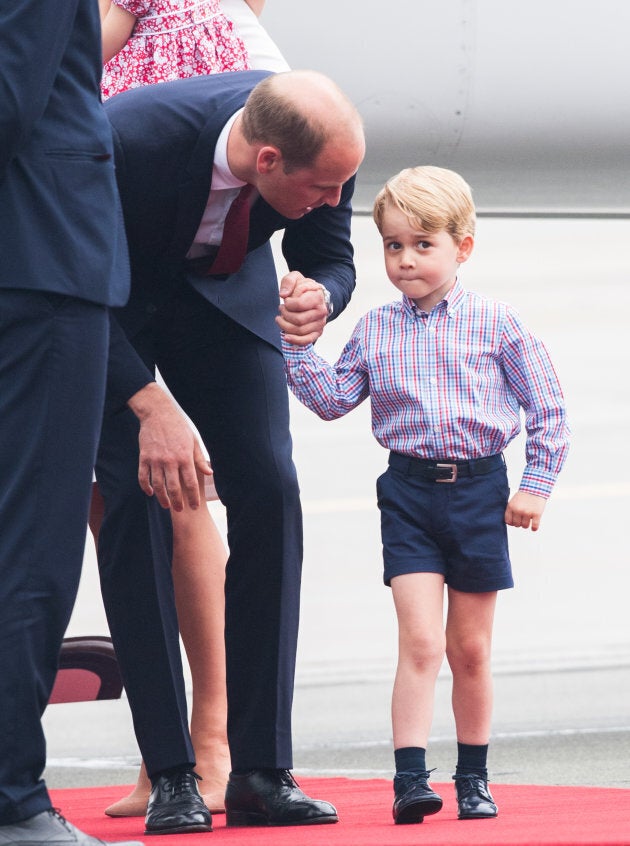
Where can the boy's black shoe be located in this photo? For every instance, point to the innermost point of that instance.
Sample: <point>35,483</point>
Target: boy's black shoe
<point>414,799</point>
<point>474,800</point>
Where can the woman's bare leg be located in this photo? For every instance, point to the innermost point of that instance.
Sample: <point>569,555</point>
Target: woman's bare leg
<point>199,559</point>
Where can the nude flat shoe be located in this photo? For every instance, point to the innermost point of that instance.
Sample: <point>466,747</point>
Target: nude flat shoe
<point>213,803</point>
<point>133,805</point>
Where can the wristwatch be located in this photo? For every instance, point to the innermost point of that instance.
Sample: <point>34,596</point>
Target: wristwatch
<point>327,300</point>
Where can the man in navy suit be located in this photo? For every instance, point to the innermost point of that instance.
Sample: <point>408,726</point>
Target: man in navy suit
<point>183,150</point>
<point>63,261</point>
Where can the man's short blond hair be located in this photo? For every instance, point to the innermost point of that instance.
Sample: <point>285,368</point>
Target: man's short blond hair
<point>433,198</point>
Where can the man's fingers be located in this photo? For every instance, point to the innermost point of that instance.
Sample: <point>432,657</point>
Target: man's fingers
<point>165,493</point>
<point>201,462</point>
<point>144,477</point>
<point>190,485</point>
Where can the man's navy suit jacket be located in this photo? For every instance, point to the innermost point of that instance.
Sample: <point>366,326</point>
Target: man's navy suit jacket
<point>165,137</point>
<point>61,228</point>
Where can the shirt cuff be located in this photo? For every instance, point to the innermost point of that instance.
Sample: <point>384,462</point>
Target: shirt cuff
<point>294,352</point>
<point>537,482</point>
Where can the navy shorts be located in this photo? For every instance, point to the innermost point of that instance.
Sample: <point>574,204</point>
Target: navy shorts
<point>455,529</point>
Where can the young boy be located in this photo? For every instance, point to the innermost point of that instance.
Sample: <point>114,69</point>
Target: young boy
<point>447,372</point>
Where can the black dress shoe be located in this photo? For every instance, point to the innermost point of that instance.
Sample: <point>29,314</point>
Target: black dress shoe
<point>176,807</point>
<point>50,829</point>
<point>272,797</point>
<point>414,799</point>
<point>474,800</point>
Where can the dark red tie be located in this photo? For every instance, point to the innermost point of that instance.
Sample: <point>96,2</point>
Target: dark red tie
<point>233,245</point>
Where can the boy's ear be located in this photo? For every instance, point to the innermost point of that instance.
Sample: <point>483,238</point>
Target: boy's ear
<point>465,248</point>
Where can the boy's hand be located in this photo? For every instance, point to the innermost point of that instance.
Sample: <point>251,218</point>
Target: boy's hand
<point>525,510</point>
<point>304,312</point>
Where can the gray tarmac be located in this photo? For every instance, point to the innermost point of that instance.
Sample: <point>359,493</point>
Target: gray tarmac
<point>562,636</point>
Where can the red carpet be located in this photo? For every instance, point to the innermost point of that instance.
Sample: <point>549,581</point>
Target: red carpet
<point>528,816</point>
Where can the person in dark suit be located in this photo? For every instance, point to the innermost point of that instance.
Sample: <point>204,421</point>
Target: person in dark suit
<point>183,150</point>
<point>63,261</point>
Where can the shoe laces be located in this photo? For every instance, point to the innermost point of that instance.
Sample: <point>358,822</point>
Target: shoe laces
<point>55,812</point>
<point>407,778</point>
<point>180,783</point>
<point>468,782</point>
<point>285,777</point>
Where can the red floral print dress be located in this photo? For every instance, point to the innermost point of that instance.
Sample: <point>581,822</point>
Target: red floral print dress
<point>173,39</point>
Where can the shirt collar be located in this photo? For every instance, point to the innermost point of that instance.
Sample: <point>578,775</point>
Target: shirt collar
<point>450,302</point>
<point>222,176</point>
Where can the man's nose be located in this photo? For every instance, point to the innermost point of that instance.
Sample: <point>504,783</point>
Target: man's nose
<point>332,196</point>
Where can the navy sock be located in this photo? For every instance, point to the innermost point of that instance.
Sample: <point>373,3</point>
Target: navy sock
<point>410,759</point>
<point>472,759</point>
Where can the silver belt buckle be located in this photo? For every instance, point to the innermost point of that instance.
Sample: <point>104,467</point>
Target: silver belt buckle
<point>453,468</point>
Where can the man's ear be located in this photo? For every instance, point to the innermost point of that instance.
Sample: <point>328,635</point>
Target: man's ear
<point>465,248</point>
<point>268,159</point>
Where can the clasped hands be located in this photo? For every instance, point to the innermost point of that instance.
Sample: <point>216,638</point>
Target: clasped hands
<point>303,309</point>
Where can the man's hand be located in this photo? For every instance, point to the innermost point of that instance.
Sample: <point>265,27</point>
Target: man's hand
<point>170,454</point>
<point>525,510</point>
<point>304,312</point>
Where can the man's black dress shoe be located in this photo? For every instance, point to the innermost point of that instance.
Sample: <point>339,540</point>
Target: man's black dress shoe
<point>414,800</point>
<point>50,829</point>
<point>176,807</point>
<point>474,800</point>
<point>272,797</point>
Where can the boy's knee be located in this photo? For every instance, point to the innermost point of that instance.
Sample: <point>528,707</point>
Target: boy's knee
<point>424,652</point>
<point>471,656</point>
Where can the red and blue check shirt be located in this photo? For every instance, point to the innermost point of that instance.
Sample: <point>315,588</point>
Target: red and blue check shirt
<point>446,385</point>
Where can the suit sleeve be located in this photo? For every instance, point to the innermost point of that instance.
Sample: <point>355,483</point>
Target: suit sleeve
<point>126,372</point>
<point>318,245</point>
<point>34,35</point>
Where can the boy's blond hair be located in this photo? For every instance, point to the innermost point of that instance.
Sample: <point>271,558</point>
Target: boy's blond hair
<point>433,198</point>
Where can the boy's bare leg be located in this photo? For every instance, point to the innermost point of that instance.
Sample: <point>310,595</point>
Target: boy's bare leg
<point>468,647</point>
<point>419,601</point>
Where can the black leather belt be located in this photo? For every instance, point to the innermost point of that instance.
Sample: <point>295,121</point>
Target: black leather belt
<point>444,471</point>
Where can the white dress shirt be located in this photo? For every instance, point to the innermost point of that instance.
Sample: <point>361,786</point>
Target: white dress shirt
<point>224,188</point>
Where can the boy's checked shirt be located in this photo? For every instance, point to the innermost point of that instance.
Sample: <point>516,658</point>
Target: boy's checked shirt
<point>446,385</point>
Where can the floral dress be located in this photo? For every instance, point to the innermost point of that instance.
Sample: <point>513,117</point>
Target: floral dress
<point>173,39</point>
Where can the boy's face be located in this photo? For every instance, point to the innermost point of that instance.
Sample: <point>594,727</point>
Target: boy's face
<point>420,264</point>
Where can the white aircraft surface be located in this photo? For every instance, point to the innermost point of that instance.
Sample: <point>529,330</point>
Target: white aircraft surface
<point>528,101</point>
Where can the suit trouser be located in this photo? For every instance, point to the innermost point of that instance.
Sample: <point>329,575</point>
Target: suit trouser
<point>53,351</point>
<point>233,387</point>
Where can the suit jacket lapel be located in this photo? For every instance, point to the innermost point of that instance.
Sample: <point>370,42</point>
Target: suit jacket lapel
<point>193,192</point>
